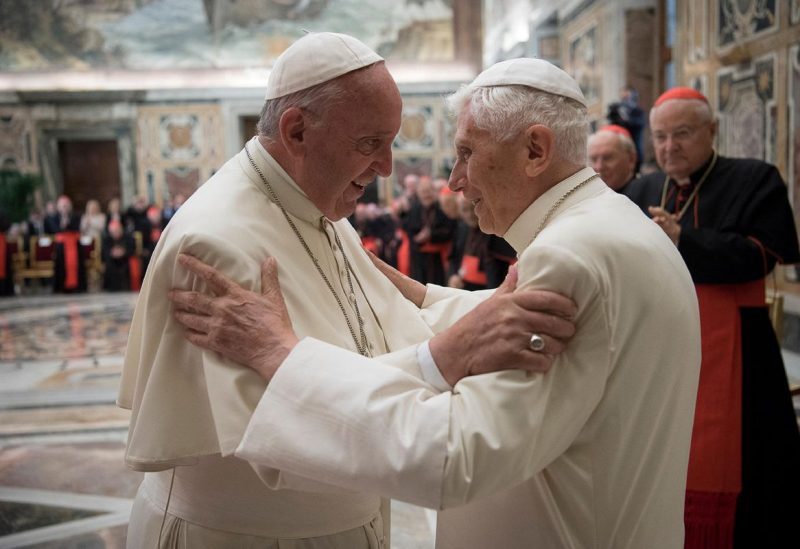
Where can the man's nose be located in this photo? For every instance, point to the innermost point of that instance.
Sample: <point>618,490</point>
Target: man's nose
<point>457,178</point>
<point>383,162</point>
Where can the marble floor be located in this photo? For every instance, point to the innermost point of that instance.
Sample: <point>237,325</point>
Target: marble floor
<point>62,478</point>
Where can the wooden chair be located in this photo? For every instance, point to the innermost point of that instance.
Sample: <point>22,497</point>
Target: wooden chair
<point>41,256</point>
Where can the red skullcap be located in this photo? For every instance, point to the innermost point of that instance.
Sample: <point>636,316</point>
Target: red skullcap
<point>113,224</point>
<point>445,191</point>
<point>680,93</point>
<point>616,129</point>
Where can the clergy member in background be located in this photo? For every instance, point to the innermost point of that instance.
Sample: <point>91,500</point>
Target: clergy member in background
<point>612,154</point>
<point>732,223</point>
<point>118,248</point>
<point>68,259</point>
<point>331,113</point>
<point>592,453</point>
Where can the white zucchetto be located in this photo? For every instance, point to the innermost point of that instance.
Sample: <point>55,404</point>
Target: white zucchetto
<point>534,73</point>
<point>316,58</point>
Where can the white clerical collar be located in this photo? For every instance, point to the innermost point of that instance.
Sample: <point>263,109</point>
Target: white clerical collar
<point>522,231</point>
<point>289,193</point>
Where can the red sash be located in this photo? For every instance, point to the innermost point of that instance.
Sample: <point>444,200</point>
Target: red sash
<point>442,248</point>
<point>715,459</point>
<point>71,257</point>
<point>403,253</point>
<point>2,256</point>
<point>471,270</point>
<point>370,243</point>
<point>135,270</point>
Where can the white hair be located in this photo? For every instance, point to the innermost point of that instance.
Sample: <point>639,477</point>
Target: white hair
<point>624,142</point>
<point>315,100</point>
<point>701,108</point>
<point>505,111</point>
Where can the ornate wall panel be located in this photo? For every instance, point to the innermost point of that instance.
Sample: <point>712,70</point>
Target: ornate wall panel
<point>424,145</point>
<point>180,147</point>
<point>696,14</point>
<point>740,21</point>
<point>584,63</point>
<point>417,129</point>
<point>795,13</point>
<point>16,140</point>
<point>747,110</point>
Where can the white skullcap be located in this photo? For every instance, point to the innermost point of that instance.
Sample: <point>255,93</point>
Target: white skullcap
<point>534,73</point>
<point>316,58</point>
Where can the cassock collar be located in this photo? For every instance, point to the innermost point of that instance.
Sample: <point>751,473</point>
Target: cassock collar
<point>698,173</point>
<point>289,193</point>
<point>521,232</point>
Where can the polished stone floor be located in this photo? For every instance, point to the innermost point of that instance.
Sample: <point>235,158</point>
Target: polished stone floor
<point>63,483</point>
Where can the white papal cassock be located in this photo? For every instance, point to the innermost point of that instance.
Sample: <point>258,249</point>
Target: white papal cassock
<point>592,454</point>
<point>191,408</point>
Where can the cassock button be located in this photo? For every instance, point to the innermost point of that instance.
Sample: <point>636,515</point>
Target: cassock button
<point>333,247</point>
<point>343,273</point>
<point>352,297</point>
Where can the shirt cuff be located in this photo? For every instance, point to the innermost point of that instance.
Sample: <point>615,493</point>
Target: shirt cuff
<point>430,371</point>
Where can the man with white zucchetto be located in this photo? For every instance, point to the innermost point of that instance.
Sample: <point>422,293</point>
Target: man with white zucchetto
<point>331,113</point>
<point>591,453</point>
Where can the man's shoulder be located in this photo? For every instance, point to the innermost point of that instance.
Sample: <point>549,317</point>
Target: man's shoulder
<point>745,169</point>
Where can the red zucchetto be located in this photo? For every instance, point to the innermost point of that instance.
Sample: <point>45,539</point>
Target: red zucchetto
<point>680,93</point>
<point>616,129</point>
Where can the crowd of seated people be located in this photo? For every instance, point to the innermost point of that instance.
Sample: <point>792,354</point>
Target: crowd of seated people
<point>428,233</point>
<point>61,250</point>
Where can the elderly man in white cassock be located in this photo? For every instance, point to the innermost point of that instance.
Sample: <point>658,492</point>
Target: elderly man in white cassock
<point>592,453</point>
<point>331,114</point>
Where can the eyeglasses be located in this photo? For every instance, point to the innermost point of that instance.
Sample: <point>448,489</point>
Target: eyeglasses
<point>681,135</point>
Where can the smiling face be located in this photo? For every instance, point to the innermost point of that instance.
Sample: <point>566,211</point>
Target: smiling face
<point>491,174</point>
<point>683,136</point>
<point>348,145</point>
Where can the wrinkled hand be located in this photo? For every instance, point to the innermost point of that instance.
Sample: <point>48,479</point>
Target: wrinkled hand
<point>246,327</point>
<point>411,289</point>
<point>423,236</point>
<point>496,334</point>
<point>667,221</point>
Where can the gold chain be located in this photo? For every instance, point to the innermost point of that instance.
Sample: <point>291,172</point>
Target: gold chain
<point>558,203</point>
<point>362,346</point>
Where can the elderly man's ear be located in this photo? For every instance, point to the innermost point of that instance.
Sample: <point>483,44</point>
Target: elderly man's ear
<point>540,143</point>
<point>293,125</point>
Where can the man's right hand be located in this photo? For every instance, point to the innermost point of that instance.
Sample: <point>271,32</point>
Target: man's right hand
<point>496,334</point>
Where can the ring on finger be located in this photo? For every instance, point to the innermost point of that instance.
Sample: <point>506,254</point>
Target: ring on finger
<point>536,343</point>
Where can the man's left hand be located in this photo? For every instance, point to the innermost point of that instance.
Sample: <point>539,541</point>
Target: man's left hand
<point>233,323</point>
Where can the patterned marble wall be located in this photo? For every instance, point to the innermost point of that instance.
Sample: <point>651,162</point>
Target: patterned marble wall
<point>747,109</point>
<point>740,21</point>
<point>179,148</point>
<point>584,56</point>
<point>17,139</point>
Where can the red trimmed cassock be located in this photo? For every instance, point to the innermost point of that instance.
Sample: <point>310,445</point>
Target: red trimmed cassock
<point>743,480</point>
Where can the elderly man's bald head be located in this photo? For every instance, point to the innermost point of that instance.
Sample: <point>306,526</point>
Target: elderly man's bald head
<point>612,154</point>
